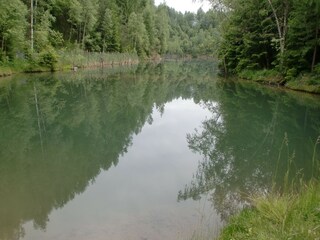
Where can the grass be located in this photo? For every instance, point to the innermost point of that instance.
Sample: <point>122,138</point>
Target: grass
<point>271,77</point>
<point>307,83</point>
<point>9,68</point>
<point>5,71</point>
<point>292,215</point>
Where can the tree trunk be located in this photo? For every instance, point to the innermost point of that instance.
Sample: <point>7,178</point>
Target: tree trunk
<point>79,33</point>
<point>35,12</point>
<point>277,22</point>
<point>225,67</point>
<point>84,34</point>
<point>38,114</point>
<point>314,57</point>
<point>2,44</point>
<point>282,27</point>
<point>70,34</point>
<point>31,24</point>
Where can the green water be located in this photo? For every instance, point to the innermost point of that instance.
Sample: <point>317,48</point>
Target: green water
<point>162,151</point>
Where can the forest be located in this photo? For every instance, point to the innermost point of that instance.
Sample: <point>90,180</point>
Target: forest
<point>275,41</point>
<point>40,31</point>
<point>271,37</point>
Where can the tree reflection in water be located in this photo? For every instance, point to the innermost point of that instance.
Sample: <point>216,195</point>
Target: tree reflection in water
<point>58,131</point>
<point>242,143</point>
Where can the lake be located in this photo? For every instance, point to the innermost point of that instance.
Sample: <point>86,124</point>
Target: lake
<point>153,151</point>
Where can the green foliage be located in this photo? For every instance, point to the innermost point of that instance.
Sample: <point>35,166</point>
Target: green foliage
<point>109,32</point>
<point>162,28</point>
<point>192,34</point>
<point>270,76</point>
<point>280,35</point>
<point>136,26</point>
<point>306,82</point>
<point>302,41</point>
<point>137,34</point>
<point>149,15</point>
<point>12,28</point>
<point>42,31</point>
<point>5,71</point>
<point>48,58</point>
<point>247,40</point>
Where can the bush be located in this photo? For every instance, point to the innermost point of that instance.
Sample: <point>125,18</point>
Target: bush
<point>48,58</point>
<point>291,74</point>
<point>316,70</point>
<point>266,75</point>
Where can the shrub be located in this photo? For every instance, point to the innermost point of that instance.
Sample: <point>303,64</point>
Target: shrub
<point>48,58</point>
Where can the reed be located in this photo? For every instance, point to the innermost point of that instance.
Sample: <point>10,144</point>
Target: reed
<point>82,59</point>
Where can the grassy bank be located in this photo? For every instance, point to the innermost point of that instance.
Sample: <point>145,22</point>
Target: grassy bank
<point>306,83</point>
<point>51,60</point>
<point>291,210</point>
<point>293,215</point>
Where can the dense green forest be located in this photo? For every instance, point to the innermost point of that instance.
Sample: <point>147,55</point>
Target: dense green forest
<point>270,40</point>
<point>42,31</point>
<point>278,35</point>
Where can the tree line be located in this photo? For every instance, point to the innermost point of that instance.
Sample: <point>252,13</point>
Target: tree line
<point>279,35</point>
<point>29,27</point>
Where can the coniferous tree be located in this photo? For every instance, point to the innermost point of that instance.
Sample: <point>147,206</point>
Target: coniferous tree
<point>304,27</point>
<point>162,28</point>
<point>138,34</point>
<point>270,34</point>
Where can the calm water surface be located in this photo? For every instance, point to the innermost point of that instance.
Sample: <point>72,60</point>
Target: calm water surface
<point>165,151</point>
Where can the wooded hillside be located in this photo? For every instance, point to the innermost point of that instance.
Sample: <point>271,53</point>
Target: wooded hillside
<point>131,26</point>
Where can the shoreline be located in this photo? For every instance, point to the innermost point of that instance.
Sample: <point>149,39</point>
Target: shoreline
<point>306,83</point>
<point>67,61</point>
<point>7,72</point>
<point>299,84</point>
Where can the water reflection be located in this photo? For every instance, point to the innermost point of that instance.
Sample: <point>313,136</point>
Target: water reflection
<point>250,141</point>
<point>59,131</point>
